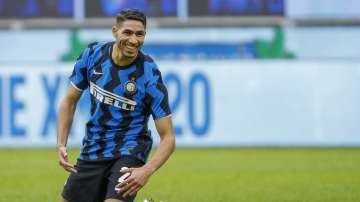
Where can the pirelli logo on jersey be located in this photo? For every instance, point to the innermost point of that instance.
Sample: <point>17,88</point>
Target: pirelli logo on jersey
<point>110,98</point>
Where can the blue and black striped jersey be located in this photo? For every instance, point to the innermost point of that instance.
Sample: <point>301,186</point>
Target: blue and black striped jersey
<point>122,99</point>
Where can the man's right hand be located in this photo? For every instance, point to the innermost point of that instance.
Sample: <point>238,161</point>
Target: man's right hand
<point>63,160</point>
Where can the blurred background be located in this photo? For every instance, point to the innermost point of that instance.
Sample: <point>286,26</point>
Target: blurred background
<point>239,72</point>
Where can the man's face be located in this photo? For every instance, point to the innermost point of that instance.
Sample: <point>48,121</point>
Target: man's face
<point>130,36</point>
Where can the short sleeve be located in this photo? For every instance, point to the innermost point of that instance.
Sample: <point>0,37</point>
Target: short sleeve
<point>159,96</point>
<point>78,77</point>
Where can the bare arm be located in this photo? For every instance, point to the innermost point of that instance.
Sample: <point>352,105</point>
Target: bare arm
<point>167,144</point>
<point>139,176</point>
<point>65,118</point>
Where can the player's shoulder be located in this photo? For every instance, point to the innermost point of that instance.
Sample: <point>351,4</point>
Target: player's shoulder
<point>149,63</point>
<point>147,58</point>
<point>95,47</point>
<point>97,50</point>
<point>151,69</point>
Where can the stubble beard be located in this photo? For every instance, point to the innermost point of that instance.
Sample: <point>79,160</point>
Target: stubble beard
<point>126,53</point>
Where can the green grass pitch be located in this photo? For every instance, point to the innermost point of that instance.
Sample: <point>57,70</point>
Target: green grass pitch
<point>206,175</point>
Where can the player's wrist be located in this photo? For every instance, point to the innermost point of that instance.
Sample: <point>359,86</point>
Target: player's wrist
<point>60,146</point>
<point>150,169</point>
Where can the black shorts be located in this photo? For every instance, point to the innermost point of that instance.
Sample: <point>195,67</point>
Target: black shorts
<point>95,181</point>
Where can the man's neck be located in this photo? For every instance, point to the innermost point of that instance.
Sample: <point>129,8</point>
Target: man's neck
<point>119,59</point>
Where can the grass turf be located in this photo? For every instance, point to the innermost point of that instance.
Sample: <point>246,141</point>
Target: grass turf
<point>206,175</point>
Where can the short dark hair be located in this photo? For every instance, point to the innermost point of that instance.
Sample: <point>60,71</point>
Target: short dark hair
<point>131,14</point>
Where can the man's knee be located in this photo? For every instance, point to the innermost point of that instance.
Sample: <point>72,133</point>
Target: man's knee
<point>63,200</point>
<point>113,200</point>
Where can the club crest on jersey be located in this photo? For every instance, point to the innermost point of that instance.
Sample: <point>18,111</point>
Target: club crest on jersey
<point>130,87</point>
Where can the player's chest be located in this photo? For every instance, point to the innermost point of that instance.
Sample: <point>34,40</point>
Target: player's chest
<point>123,89</point>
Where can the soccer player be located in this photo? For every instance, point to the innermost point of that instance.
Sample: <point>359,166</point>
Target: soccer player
<point>125,87</point>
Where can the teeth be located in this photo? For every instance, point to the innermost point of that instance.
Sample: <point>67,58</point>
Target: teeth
<point>130,47</point>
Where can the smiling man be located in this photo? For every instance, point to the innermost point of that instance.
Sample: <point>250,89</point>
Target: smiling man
<point>125,88</point>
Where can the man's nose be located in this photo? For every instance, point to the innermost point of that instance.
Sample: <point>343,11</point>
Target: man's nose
<point>132,39</point>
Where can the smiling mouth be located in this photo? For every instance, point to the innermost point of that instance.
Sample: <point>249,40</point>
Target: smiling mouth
<point>131,48</point>
<point>130,45</point>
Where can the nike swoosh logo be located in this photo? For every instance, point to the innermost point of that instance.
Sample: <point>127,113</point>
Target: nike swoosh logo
<point>95,72</point>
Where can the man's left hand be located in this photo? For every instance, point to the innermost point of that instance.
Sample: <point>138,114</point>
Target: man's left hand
<point>137,179</point>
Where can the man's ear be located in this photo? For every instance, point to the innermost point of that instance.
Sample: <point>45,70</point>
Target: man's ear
<point>114,29</point>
